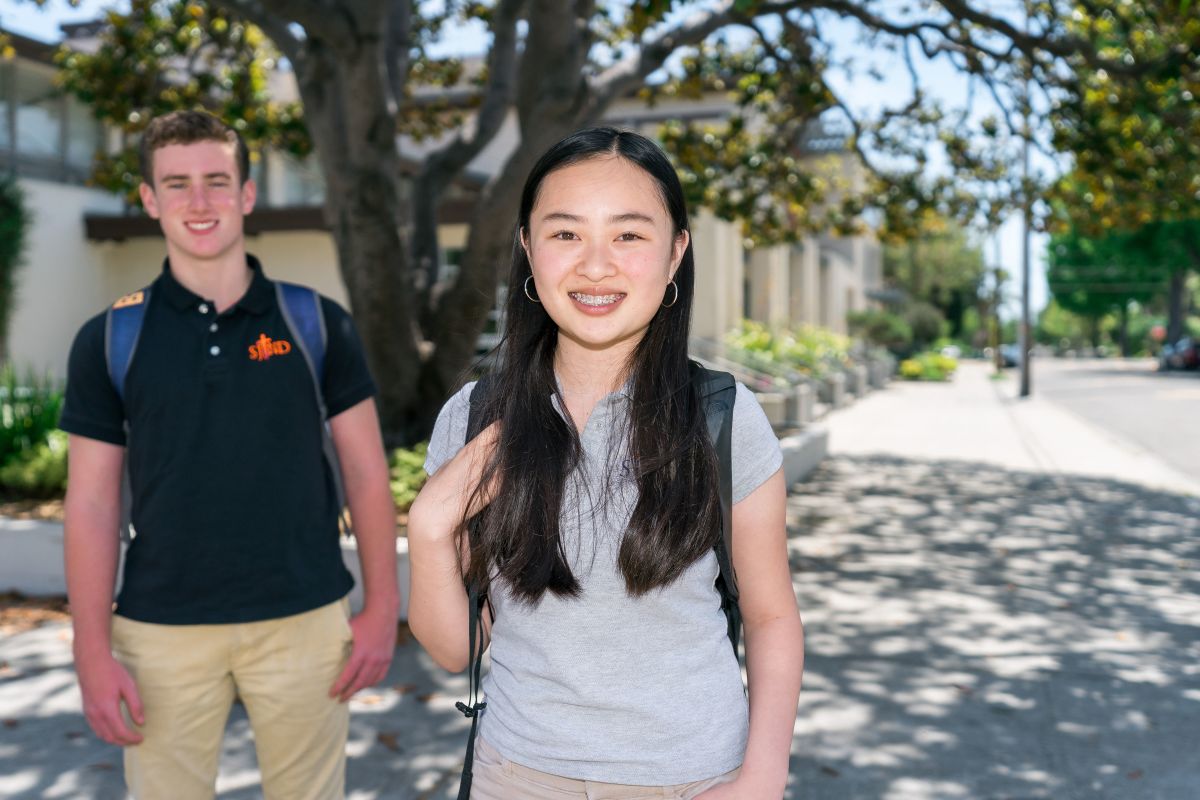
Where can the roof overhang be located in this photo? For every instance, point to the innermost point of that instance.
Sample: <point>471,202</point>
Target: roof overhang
<point>121,227</point>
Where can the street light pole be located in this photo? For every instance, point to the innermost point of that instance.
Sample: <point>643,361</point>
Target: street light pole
<point>1023,336</point>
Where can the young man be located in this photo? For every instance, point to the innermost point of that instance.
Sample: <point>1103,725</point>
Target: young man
<point>233,581</point>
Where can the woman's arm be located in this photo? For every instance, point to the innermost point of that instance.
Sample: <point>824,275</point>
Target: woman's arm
<point>774,641</point>
<point>437,610</point>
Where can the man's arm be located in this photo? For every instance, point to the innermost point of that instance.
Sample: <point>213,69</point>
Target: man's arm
<point>365,476</point>
<point>91,547</point>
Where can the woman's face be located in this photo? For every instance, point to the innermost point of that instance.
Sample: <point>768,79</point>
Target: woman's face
<point>603,249</point>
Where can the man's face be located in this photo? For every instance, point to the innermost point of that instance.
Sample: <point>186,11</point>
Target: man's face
<point>198,198</point>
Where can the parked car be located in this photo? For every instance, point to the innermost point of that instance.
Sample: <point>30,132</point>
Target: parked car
<point>1185,354</point>
<point>1164,357</point>
<point>1010,355</point>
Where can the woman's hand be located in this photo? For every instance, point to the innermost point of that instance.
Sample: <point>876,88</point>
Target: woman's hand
<point>443,502</point>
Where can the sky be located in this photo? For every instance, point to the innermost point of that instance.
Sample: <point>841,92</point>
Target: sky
<point>861,92</point>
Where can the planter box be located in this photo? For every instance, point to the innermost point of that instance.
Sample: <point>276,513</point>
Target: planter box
<point>801,402</point>
<point>803,452</point>
<point>832,390</point>
<point>33,561</point>
<point>774,406</point>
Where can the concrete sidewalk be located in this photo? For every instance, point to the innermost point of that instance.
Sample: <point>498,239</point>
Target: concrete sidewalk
<point>1000,601</point>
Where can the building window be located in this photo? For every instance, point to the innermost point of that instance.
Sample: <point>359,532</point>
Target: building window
<point>6,72</point>
<point>303,184</point>
<point>39,114</point>
<point>83,138</point>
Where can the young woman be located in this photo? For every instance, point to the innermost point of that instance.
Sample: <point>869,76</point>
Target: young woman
<point>595,489</point>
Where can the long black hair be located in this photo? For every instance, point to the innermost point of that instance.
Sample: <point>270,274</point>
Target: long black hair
<point>677,515</point>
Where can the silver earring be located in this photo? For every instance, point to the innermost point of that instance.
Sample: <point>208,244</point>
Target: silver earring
<point>532,299</point>
<point>674,299</point>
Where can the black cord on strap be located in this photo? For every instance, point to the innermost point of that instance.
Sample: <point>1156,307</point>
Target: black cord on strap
<point>475,666</point>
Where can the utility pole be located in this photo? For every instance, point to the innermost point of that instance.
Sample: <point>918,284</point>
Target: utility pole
<point>1023,336</point>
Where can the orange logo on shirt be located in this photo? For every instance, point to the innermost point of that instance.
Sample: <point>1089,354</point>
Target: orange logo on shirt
<point>266,347</point>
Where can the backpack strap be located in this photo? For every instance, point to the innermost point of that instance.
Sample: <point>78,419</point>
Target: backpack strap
<point>476,597</point>
<point>301,309</point>
<point>122,330</point>
<point>718,391</point>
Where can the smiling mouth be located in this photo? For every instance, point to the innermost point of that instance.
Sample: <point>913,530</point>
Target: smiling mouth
<point>595,300</point>
<point>201,226</point>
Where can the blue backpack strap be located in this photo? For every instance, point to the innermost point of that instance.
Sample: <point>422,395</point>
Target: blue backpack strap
<point>718,391</point>
<point>301,309</point>
<point>122,329</point>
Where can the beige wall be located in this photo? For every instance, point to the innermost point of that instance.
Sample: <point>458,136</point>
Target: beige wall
<point>61,283</point>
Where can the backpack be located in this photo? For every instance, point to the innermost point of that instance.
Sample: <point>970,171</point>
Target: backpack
<point>301,308</point>
<point>717,392</point>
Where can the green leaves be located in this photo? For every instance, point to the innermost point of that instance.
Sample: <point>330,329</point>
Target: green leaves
<point>159,57</point>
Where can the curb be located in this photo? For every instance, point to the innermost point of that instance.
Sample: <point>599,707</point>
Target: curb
<point>803,452</point>
<point>33,561</point>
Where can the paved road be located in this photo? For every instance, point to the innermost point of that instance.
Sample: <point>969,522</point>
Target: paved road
<point>1127,397</point>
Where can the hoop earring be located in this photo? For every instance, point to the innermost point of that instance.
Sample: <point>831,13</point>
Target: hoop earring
<point>674,299</point>
<point>532,299</point>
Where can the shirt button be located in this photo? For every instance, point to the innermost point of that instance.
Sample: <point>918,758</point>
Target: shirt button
<point>204,308</point>
<point>213,327</point>
<point>216,351</point>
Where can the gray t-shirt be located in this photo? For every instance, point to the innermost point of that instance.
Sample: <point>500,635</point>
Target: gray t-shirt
<point>609,687</point>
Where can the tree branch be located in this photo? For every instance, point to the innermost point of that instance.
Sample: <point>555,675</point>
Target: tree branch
<point>442,166</point>
<point>274,27</point>
<point>318,18</point>
<point>397,51</point>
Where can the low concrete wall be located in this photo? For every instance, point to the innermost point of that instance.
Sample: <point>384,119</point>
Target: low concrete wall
<point>803,452</point>
<point>31,561</point>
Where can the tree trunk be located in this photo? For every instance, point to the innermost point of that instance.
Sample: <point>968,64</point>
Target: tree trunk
<point>348,117</point>
<point>1175,306</point>
<point>1124,330</point>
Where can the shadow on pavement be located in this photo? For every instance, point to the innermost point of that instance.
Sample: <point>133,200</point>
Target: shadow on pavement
<point>974,632</point>
<point>406,737</point>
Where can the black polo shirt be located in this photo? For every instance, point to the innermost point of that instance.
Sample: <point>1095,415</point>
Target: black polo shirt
<point>233,504</point>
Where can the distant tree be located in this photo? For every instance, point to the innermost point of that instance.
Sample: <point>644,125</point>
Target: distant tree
<point>14,228</point>
<point>1096,276</point>
<point>941,266</point>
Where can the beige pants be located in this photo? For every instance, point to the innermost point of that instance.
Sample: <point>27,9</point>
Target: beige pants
<point>282,669</point>
<point>497,778</point>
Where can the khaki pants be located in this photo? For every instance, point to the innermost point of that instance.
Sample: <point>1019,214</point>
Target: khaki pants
<point>282,669</point>
<point>497,778</point>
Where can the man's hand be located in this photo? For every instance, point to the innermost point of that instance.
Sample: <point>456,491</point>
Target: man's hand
<point>374,632</point>
<point>105,684</point>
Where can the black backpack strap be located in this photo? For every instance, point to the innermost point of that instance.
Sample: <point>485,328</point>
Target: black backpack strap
<point>718,392</point>
<point>476,597</point>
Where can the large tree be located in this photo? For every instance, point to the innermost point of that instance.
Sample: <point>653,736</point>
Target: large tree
<point>1096,276</point>
<point>1136,145</point>
<point>553,66</point>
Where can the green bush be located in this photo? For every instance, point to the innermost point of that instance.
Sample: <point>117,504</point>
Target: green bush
<point>881,328</point>
<point>930,366</point>
<point>40,471</point>
<point>810,350</point>
<point>408,474</point>
<point>29,409</point>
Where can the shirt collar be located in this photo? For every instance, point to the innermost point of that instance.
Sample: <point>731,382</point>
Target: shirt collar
<point>256,300</point>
